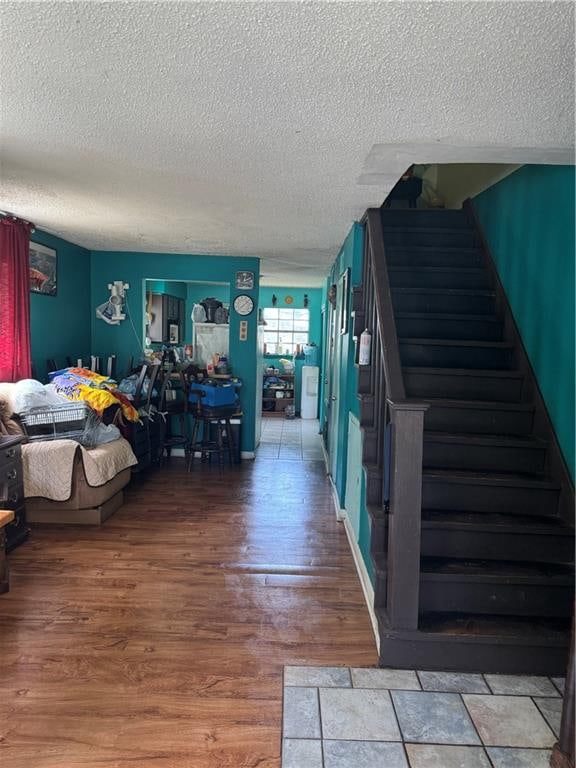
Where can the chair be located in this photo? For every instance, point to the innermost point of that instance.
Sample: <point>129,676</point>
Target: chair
<point>51,365</point>
<point>174,408</point>
<point>217,434</point>
<point>139,434</point>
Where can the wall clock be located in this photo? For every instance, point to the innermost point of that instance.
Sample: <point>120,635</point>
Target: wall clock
<point>245,281</point>
<point>288,300</point>
<point>243,305</point>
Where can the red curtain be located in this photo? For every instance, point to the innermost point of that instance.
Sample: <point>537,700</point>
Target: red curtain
<point>15,360</point>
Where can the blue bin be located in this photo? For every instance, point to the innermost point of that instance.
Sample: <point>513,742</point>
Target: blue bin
<point>225,394</point>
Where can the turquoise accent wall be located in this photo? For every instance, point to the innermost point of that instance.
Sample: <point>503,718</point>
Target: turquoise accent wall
<point>350,257</point>
<point>126,338</point>
<point>528,220</point>
<point>60,325</point>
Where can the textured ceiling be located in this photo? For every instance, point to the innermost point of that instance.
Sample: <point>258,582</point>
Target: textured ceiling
<point>264,129</point>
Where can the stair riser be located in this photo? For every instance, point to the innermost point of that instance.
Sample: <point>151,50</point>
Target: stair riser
<point>457,329</point>
<point>452,654</point>
<point>373,488</point>
<point>369,446</point>
<point>399,257</point>
<point>414,278</point>
<point>437,356</point>
<point>367,411</point>
<point>358,323</point>
<point>465,497</point>
<point>405,238</point>
<point>484,458</point>
<point>478,421</point>
<point>444,303</point>
<point>488,545</point>
<point>380,585</point>
<point>364,380</point>
<point>378,536</point>
<point>496,389</point>
<point>453,596</point>
<point>446,219</point>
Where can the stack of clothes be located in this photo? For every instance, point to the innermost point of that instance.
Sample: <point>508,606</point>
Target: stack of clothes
<point>99,392</point>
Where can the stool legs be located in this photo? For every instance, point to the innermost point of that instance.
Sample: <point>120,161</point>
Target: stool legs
<point>221,442</point>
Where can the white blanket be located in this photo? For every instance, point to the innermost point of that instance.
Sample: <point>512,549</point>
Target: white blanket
<point>48,466</point>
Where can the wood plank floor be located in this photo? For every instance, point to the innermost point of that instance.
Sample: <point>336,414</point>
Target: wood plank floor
<point>158,640</point>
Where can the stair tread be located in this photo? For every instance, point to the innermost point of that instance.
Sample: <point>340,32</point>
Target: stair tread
<point>488,478</point>
<point>479,404</point>
<point>415,227</point>
<point>446,316</point>
<point>436,268</point>
<point>440,291</point>
<point>521,630</point>
<point>495,521</point>
<point>467,250</point>
<point>499,373</point>
<point>483,439</point>
<point>499,571</point>
<point>458,343</point>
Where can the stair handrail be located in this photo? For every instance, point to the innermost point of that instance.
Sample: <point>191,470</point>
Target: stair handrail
<point>395,391</point>
<point>405,451</point>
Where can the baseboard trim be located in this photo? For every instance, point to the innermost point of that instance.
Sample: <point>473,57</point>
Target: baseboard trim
<point>340,512</point>
<point>366,584</point>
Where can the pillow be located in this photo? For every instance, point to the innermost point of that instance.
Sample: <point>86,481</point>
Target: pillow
<point>7,424</point>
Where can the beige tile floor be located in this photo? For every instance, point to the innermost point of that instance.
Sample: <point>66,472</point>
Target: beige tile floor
<point>290,439</point>
<point>336,717</point>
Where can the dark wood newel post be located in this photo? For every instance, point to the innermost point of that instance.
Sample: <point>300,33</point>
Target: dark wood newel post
<point>563,752</point>
<point>404,521</point>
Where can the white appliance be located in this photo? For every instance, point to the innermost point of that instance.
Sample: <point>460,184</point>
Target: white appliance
<point>309,396</point>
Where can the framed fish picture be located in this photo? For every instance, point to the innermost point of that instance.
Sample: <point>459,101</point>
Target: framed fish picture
<point>42,265</point>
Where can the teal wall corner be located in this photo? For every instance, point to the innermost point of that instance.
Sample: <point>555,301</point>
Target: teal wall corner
<point>60,325</point>
<point>528,220</point>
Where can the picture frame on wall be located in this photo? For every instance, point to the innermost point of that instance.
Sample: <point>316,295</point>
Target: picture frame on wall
<point>344,296</point>
<point>43,269</point>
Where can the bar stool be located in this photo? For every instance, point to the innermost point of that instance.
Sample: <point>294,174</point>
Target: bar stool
<point>211,419</point>
<point>176,408</point>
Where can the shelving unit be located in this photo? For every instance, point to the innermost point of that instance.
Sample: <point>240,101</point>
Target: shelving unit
<point>275,406</point>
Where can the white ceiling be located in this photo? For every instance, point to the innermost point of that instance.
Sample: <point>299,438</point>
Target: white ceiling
<point>265,128</point>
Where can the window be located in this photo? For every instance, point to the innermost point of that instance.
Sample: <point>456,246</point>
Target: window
<point>285,329</point>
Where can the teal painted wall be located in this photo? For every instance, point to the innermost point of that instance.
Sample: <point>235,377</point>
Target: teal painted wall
<point>528,219</point>
<point>126,338</point>
<point>349,257</point>
<point>60,325</point>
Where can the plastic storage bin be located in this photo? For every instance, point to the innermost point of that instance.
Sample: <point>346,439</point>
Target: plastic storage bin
<point>215,396</point>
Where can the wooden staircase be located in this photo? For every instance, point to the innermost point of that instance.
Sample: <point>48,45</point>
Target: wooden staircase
<point>470,501</point>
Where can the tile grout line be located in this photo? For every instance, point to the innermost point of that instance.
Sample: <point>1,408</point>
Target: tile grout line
<point>321,726</point>
<point>480,739</point>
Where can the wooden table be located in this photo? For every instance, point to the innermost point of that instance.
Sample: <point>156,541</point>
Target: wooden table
<point>6,516</point>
